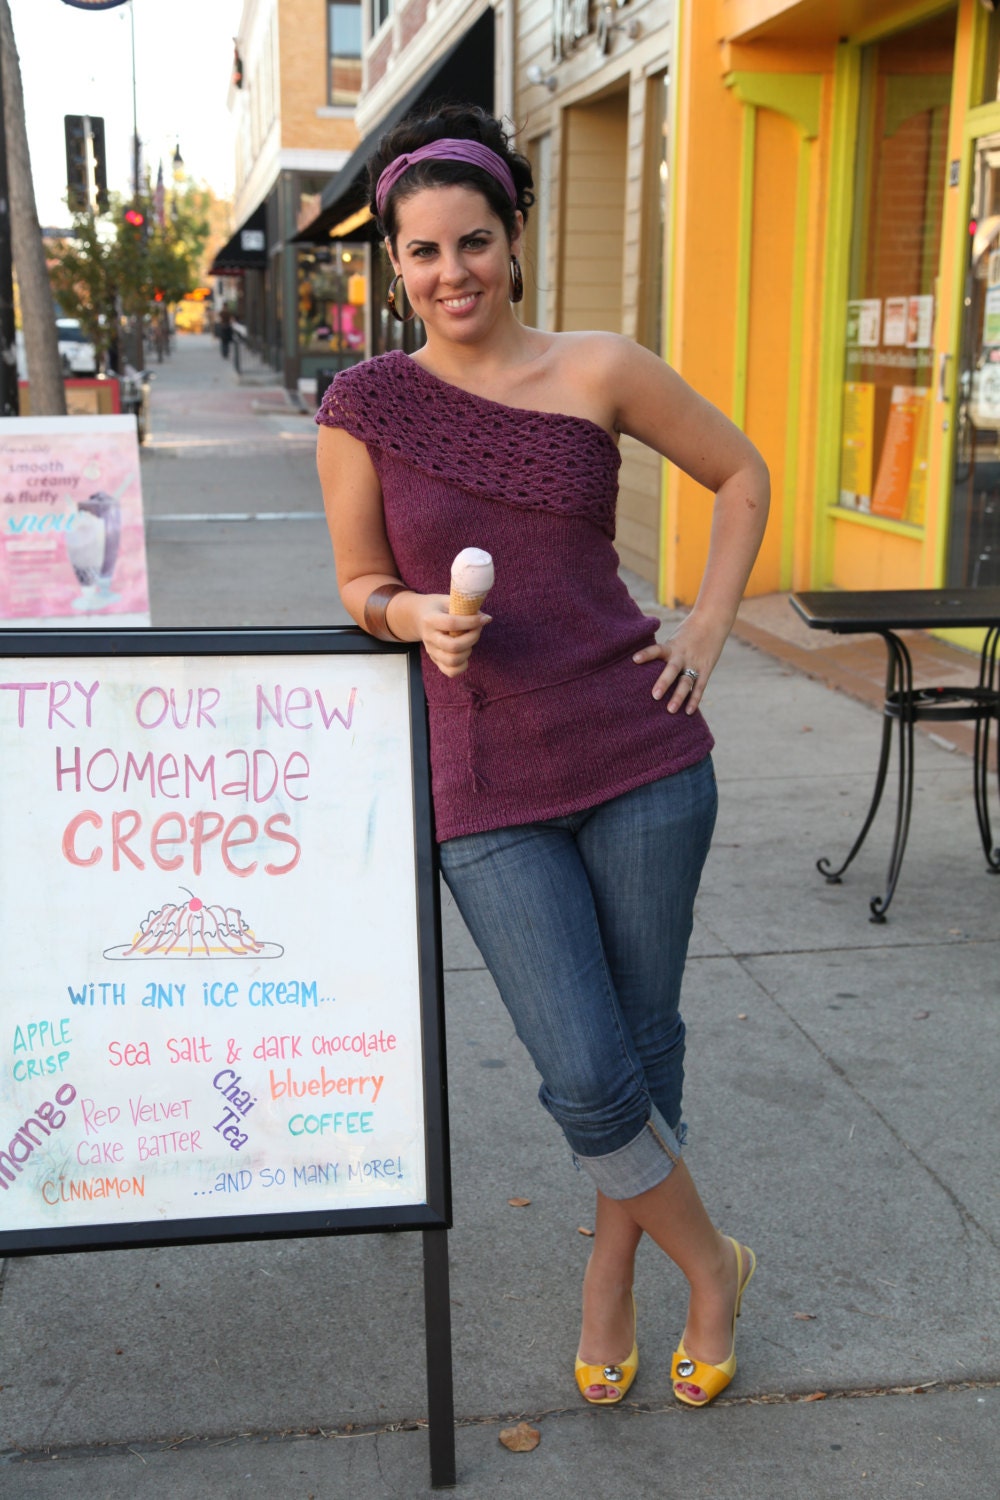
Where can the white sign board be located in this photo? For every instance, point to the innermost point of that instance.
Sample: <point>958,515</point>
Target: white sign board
<point>212,937</point>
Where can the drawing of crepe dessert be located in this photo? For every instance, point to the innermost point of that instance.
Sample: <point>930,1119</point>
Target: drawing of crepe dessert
<point>195,929</point>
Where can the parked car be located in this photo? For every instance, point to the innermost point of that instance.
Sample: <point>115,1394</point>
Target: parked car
<point>76,353</point>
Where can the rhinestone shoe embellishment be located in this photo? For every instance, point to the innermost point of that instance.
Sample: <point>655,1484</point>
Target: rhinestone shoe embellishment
<point>685,1368</point>
<point>613,1372</point>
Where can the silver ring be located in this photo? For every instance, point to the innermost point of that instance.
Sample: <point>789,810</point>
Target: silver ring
<point>690,672</point>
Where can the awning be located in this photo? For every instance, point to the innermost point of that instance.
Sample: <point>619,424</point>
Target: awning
<point>463,75</point>
<point>247,250</point>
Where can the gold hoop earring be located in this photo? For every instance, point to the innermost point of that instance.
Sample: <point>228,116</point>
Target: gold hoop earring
<point>391,301</point>
<point>516,280</point>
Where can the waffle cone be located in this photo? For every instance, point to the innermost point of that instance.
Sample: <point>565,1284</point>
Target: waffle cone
<point>464,604</point>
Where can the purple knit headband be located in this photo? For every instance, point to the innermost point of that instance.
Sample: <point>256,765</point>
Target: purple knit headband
<point>446,149</point>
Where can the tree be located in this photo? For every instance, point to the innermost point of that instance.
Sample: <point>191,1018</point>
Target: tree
<point>124,262</point>
<point>41,348</point>
<point>83,277</point>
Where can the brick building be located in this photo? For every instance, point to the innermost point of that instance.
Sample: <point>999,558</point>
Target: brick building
<point>413,52</point>
<point>295,85</point>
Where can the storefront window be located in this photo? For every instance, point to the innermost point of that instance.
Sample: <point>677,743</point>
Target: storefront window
<point>332,292</point>
<point>389,332</point>
<point>991,90</point>
<point>974,540</point>
<point>900,177</point>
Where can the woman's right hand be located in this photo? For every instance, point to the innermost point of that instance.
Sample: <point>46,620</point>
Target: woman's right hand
<point>448,639</point>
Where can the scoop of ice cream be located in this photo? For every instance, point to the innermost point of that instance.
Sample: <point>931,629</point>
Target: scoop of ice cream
<point>472,572</point>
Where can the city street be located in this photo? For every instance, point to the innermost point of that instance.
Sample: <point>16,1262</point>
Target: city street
<point>841,1100</point>
<point>217,451</point>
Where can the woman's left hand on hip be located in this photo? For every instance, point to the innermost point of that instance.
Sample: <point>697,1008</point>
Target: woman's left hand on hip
<point>690,656</point>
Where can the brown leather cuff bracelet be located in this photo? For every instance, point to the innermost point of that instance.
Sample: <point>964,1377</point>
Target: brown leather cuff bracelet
<point>376,606</point>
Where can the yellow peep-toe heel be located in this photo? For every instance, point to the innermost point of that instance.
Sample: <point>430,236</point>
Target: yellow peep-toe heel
<point>712,1379</point>
<point>617,1378</point>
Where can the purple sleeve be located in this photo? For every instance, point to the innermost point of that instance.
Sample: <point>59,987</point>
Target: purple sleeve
<point>341,406</point>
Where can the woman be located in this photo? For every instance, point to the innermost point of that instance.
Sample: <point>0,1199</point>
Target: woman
<point>573,791</point>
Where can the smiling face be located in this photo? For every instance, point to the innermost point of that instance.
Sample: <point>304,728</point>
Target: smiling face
<point>454,256</point>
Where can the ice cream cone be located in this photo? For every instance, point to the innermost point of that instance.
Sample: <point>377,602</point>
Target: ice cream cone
<point>471,581</point>
<point>464,604</point>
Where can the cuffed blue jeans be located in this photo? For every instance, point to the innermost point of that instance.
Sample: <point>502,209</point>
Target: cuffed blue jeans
<point>583,922</point>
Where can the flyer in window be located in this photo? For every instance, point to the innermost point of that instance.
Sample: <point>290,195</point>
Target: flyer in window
<point>894,330</point>
<point>864,322</point>
<point>991,317</point>
<point>920,322</point>
<point>898,486</point>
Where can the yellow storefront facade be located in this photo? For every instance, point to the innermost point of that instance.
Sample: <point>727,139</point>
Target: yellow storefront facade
<point>833,282</point>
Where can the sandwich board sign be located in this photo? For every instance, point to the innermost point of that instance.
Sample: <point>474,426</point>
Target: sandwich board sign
<point>218,902</point>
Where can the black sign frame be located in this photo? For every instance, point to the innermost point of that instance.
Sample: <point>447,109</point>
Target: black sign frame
<point>435,1212</point>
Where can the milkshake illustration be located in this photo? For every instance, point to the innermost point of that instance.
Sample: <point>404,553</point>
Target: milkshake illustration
<point>92,544</point>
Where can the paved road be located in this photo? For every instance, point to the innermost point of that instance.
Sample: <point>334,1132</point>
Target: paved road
<point>844,1119</point>
<point>234,511</point>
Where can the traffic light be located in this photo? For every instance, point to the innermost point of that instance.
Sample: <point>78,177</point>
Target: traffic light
<point>137,222</point>
<point>86,169</point>
<point>77,163</point>
<point>100,163</point>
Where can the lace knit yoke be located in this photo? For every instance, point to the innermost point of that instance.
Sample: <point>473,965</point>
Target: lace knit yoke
<point>552,715</point>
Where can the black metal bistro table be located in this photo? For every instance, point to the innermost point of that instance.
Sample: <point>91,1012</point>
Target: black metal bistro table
<point>884,612</point>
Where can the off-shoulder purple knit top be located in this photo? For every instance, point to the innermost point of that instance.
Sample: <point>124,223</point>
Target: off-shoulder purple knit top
<point>552,715</point>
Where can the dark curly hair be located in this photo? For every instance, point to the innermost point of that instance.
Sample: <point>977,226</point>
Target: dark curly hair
<point>466,122</point>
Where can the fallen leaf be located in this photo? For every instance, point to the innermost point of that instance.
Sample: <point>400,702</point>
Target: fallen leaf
<point>588,1232</point>
<point>522,1438</point>
<point>921,1015</point>
<point>806,729</point>
<point>804,1317</point>
<point>518,1202</point>
<point>816,1396</point>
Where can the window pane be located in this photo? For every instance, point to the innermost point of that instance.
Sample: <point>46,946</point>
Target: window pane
<point>332,292</point>
<point>345,51</point>
<point>345,28</point>
<point>900,175</point>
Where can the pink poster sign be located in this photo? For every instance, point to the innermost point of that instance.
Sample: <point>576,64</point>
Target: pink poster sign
<point>72,540</point>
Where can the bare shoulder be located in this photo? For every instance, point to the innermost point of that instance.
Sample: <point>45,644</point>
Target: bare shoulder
<point>597,356</point>
<point>591,365</point>
<point>640,395</point>
<point>593,353</point>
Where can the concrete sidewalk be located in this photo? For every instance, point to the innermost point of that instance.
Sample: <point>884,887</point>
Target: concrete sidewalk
<point>843,1115</point>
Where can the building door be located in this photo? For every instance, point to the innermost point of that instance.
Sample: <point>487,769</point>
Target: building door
<point>974,535</point>
<point>593,238</point>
